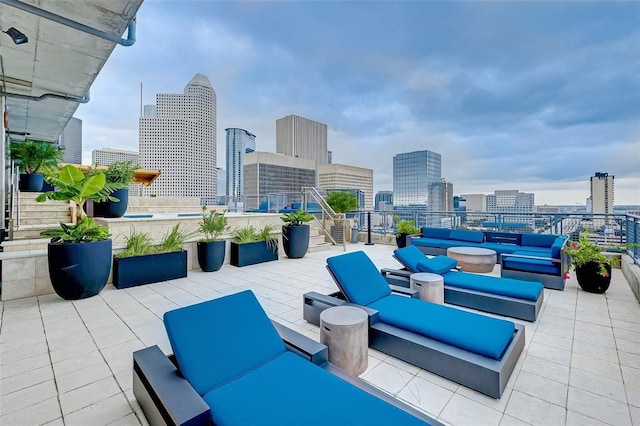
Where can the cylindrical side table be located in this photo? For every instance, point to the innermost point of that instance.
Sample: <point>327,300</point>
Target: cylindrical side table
<point>430,286</point>
<point>344,329</point>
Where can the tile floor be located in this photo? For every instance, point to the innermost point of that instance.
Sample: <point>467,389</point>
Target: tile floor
<point>70,362</point>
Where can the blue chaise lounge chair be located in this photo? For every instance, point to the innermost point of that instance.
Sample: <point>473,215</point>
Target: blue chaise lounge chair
<point>477,351</point>
<point>233,367</point>
<point>503,296</point>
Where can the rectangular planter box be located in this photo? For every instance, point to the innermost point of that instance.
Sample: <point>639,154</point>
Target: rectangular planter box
<point>252,253</point>
<point>150,268</point>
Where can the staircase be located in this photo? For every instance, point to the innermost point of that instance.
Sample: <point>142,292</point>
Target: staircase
<point>316,239</point>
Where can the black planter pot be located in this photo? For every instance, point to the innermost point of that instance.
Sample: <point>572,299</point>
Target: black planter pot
<point>401,241</point>
<point>79,270</point>
<point>252,253</point>
<point>150,268</point>
<point>112,209</point>
<point>211,255</point>
<point>589,277</point>
<point>295,240</point>
<point>31,182</point>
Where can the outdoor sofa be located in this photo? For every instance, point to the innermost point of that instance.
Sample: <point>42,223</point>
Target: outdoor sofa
<point>502,296</point>
<point>233,366</point>
<point>529,257</point>
<point>474,350</point>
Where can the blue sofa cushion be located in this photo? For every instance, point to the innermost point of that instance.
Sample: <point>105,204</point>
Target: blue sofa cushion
<point>531,265</point>
<point>358,277</point>
<point>437,233</point>
<point>222,339</point>
<point>466,330</point>
<point>411,257</point>
<point>556,247</point>
<point>463,235</point>
<point>526,290</point>
<point>292,391</point>
<point>500,248</point>
<point>538,240</point>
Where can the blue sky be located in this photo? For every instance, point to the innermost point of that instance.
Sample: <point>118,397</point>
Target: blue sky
<point>535,96</point>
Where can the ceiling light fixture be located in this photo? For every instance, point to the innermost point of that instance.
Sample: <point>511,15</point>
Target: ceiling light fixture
<point>17,36</point>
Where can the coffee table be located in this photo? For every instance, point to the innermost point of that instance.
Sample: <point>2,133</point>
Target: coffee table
<point>473,259</point>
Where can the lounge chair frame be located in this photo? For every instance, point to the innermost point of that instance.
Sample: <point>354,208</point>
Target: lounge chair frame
<point>487,302</point>
<point>166,398</point>
<point>552,281</point>
<point>488,376</point>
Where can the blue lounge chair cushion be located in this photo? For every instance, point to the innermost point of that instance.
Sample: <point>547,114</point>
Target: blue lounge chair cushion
<point>415,261</point>
<point>209,355</point>
<point>531,265</point>
<point>466,330</point>
<point>438,265</point>
<point>436,233</point>
<point>519,289</point>
<point>366,284</point>
<point>292,391</point>
<point>538,240</point>
<point>470,236</point>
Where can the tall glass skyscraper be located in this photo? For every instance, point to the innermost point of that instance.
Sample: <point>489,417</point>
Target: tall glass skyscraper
<point>239,143</point>
<point>416,181</point>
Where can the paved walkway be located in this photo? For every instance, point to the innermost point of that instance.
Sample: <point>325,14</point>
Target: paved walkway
<point>70,362</point>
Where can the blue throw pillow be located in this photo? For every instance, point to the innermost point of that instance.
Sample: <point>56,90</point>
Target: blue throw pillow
<point>462,235</point>
<point>438,265</point>
<point>538,240</point>
<point>438,233</point>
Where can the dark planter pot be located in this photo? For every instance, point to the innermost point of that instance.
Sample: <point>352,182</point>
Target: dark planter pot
<point>211,255</point>
<point>147,269</point>
<point>589,277</point>
<point>401,241</point>
<point>295,240</point>
<point>79,270</point>
<point>47,187</point>
<point>112,209</point>
<point>252,253</point>
<point>31,182</point>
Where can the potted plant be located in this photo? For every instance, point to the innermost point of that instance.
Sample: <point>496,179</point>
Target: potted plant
<point>593,268</point>
<point>119,172</point>
<point>33,156</point>
<point>341,202</point>
<point>250,246</point>
<point>211,248</point>
<point>79,254</point>
<point>404,228</point>
<point>295,234</point>
<point>144,262</point>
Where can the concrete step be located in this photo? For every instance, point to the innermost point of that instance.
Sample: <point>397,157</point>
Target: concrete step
<point>314,248</point>
<point>27,232</point>
<point>25,245</point>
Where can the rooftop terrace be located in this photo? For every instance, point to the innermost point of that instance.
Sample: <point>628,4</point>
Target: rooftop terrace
<point>70,363</point>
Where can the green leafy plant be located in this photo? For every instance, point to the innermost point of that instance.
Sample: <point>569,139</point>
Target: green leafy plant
<point>297,218</point>
<point>584,251</point>
<point>212,225</point>
<point>83,231</point>
<point>121,172</point>
<point>405,227</point>
<point>140,243</point>
<point>174,240</point>
<point>249,234</point>
<point>35,155</point>
<point>342,201</point>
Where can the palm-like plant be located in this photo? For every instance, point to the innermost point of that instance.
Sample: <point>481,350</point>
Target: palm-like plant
<point>34,155</point>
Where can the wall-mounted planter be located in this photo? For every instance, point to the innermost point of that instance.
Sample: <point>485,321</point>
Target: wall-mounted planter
<point>147,269</point>
<point>252,253</point>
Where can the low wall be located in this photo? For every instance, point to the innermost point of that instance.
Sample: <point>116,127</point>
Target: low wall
<point>631,272</point>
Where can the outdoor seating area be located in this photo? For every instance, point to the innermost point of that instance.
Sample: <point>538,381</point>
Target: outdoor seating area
<point>501,296</point>
<point>72,362</point>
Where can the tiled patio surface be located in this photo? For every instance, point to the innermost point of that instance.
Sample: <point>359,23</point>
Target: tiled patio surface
<point>70,362</point>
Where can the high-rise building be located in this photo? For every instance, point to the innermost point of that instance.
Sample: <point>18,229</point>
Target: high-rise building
<point>149,111</point>
<point>222,182</point>
<point>384,200</point>
<point>267,174</point>
<point>416,180</point>
<point>302,138</point>
<point>333,176</point>
<point>239,143</point>
<point>601,193</point>
<point>447,195</point>
<point>180,140</point>
<point>106,156</point>
<point>512,201</point>
<point>475,202</point>
<point>71,141</point>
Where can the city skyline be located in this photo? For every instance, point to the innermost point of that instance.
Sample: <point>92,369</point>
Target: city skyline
<point>534,96</point>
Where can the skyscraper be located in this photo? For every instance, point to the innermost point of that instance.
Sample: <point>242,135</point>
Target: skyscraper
<point>512,201</point>
<point>447,195</point>
<point>601,193</point>
<point>416,180</point>
<point>302,138</point>
<point>341,176</point>
<point>384,200</point>
<point>239,143</point>
<point>106,156</point>
<point>71,141</point>
<point>180,140</point>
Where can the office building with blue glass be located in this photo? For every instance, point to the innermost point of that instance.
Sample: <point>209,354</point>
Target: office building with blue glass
<point>239,143</point>
<point>417,182</point>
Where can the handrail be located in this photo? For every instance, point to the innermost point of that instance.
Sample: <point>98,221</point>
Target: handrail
<point>309,191</point>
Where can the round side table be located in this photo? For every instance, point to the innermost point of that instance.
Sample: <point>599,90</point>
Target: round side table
<point>345,331</point>
<point>430,286</point>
